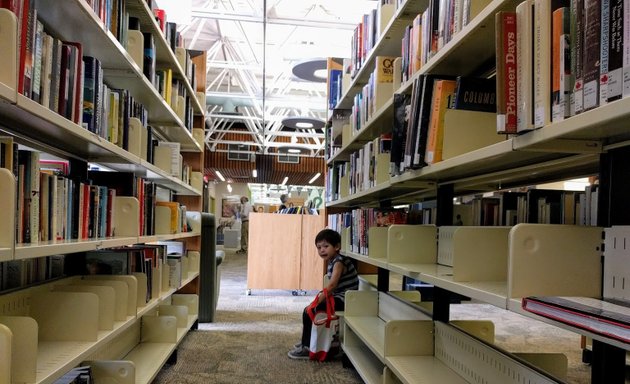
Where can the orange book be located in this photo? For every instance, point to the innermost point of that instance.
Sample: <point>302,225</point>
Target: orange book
<point>443,94</point>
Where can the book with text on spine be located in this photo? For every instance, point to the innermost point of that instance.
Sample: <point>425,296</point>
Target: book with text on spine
<point>506,81</point>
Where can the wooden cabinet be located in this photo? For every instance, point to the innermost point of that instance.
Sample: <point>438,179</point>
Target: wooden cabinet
<point>282,253</point>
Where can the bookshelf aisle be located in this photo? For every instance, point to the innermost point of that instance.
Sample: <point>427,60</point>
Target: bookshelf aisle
<point>499,265</point>
<point>101,171</point>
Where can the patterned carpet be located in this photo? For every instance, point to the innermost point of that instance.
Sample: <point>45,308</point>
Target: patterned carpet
<point>249,340</point>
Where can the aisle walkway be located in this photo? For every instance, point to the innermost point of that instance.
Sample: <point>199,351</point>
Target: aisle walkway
<point>249,340</point>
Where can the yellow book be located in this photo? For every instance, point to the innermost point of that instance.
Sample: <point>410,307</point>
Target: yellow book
<point>384,69</point>
<point>168,86</point>
<point>442,96</point>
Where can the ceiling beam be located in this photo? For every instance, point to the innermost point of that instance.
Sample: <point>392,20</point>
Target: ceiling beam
<point>220,15</point>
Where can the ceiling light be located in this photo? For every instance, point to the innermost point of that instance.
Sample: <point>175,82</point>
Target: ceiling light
<point>229,188</point>
<point>254,173</point>
<point>302,123</point>
<point>306,70</point>
<point>321,74</point>
<point>293,150</point>
<point>220,176</point>
<point>286,178</point>
<point>317,175</point>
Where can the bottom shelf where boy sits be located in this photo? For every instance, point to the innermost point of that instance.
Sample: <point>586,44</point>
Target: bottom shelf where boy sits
<point>390,341</point>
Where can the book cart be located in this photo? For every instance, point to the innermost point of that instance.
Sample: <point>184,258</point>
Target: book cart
<point>494,265</point>
<point>103,321</point>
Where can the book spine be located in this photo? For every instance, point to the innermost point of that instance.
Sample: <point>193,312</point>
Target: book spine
<point>577,56</point>
<point>626,48</point>
<point>560,64</point>
<point>603,51</point>
<point>506,72</point>
<point>592,30</point>
<point>37,61</point>
<point>524,74</point>
<point>615,50</point>
<point>542,63</point>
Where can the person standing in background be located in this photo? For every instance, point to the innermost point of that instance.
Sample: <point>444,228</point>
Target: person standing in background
<point>244,211</point>
<point>283,201</point>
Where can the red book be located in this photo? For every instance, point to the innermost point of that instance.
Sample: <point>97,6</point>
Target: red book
<point>506,71</point>
<point>85,214</point>
<point>111,196</point>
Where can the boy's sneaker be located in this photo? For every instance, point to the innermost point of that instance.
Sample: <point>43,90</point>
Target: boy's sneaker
<point>299,353</point>
<point>297,345</point>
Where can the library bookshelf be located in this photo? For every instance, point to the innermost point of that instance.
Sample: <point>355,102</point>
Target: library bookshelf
<point>494,265</point>
<point>106,321</point>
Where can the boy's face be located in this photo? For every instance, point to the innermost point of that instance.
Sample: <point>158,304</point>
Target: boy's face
<point>327,250</point>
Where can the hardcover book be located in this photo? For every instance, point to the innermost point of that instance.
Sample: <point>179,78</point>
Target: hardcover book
<point>609,318</point>
<point>506,83</point>
<point>561,65</point>
<point>524,66</point>
<point>476,94</point>
<point>592,39</point>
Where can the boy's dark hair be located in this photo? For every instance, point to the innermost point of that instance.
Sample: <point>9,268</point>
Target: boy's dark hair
<point>330,236</point>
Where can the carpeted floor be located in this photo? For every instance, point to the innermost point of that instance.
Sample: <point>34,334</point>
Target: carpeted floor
<point>249,340</point>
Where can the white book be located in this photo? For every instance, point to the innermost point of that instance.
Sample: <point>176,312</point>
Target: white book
<point>542,63</point>
<point>524,80</point>
<point>47,61</point>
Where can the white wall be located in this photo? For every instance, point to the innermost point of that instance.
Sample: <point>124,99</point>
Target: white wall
<point>221,192</point>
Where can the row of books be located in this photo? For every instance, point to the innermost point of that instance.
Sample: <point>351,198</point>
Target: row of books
<point>55,74</point>
<point>541,206</point>
<point>366,168</point>
<point>418,127</point>
<point>360,220</point>
<point>367,33</point>
<point>54,206</point>
<point>433,29</point>
<point>566,56</point>
<point>21,273</point>
<point>375,93</point>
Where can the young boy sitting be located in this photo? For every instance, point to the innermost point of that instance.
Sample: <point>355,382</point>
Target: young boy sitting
<point>342,277</point>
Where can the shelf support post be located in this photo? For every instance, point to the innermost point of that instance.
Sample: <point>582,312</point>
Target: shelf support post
<point>608,366</point>
<point>382,282</point>
<point>445,194</point>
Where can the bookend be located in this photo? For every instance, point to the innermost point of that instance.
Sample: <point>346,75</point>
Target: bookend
<point>8,47</point>
<point>7,204</point>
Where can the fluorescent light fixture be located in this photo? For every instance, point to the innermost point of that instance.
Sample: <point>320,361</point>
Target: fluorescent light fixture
<point>220,176</point>
<point>293,150</point>
<point>229,188</point>
<point>304,125</point>
<point>317,175</point>
<point>286,178</point>
<point>254,173</point>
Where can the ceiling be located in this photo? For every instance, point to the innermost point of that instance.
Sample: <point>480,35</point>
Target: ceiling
<point>252,46</point>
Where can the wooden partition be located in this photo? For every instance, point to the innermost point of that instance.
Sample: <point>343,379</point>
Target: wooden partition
<point>282,253</point>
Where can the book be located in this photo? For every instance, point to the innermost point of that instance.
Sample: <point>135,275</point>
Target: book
<point>399,132</point>
<point>443,95</point>
<point>506,58</point>
<point>476,94</point>
<point>604,21</point>
<point>615,50</point>
<point>592,40</point>
<point>609,318</point>
<point>561,65</point>
<point>524,66</point>
<point>577,56</point>
<point>543,10</point>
